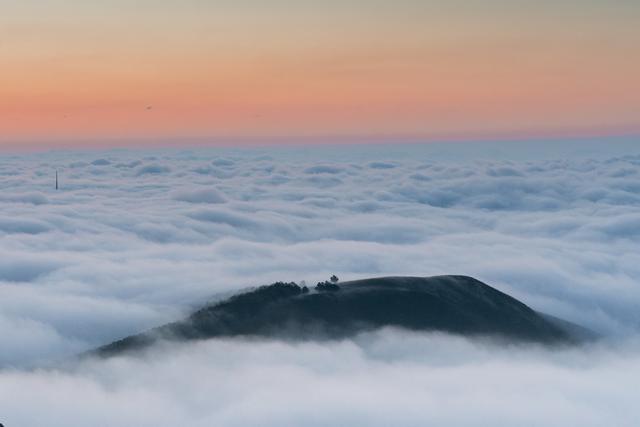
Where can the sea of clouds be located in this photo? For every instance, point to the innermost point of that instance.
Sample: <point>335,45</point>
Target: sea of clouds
<point>136,238</point>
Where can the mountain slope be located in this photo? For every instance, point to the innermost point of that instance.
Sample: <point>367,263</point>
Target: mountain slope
<point>454,304</point>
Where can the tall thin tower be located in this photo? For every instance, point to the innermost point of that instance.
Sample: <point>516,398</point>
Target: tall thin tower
<point>56,179</point>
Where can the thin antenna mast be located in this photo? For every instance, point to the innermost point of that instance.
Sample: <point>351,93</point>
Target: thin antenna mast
<point>56,179</point>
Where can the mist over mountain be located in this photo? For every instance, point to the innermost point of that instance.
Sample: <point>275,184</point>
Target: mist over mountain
<point>115,251</point>
<point>454,304</point>
<point>134,240</point>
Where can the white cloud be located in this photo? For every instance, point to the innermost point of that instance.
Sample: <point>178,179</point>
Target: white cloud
<point>143,237</point>
<point>320,169</point>
<point>153,169</point>
<point>380,379</point>
<point>16,225</point>
<point>199,195</point>
<point>35,198</point>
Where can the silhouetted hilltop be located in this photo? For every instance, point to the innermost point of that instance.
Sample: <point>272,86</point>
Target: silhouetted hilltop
<point>454,304</point>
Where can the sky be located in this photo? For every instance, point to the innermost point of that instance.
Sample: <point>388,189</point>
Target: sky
<point>105,73</point>
<point>137,238</point>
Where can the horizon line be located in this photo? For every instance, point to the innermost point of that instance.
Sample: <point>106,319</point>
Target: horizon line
<point>291,141</point>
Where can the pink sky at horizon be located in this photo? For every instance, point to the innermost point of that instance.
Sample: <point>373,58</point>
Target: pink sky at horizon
<point>432,70</point>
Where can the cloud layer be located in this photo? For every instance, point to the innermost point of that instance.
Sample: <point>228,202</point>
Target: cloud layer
<point>381,379</point>
<point>134,239</point>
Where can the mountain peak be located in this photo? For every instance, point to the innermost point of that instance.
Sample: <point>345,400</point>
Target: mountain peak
<point>452,304</point>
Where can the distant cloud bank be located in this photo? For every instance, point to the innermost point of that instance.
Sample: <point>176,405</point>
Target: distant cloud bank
<point>134,239</point>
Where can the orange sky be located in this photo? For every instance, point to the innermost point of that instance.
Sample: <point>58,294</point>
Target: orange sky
<point>87,71</point>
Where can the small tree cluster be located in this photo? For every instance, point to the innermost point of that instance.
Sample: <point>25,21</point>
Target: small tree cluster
<point>330,285</point>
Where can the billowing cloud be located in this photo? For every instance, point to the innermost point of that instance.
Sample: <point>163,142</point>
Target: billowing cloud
<point>380,379</point>
<point>201,195</point>
<point>153,169</point>
<point>144,237</point>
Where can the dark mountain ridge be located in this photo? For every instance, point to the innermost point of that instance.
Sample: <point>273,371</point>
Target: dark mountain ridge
<point>454,304</point>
